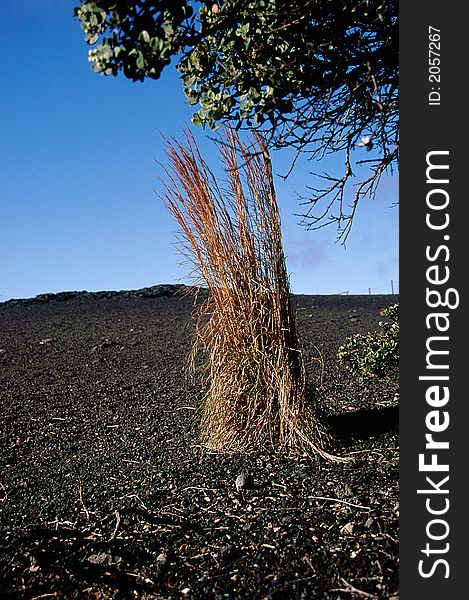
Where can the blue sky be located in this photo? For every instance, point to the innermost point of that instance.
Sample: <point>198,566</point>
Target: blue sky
<point>79,173</point>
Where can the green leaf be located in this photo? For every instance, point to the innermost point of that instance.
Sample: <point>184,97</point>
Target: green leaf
<point>196,120</point>
<point>144,36</point>
<point>140,62</point>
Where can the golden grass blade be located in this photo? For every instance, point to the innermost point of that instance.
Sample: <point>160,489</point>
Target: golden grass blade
<point>232,235</point>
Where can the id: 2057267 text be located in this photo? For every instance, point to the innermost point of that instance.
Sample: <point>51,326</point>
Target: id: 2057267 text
<point>434,66</point>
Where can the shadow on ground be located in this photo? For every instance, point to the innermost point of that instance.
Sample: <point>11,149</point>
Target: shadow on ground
<point>364,423</point>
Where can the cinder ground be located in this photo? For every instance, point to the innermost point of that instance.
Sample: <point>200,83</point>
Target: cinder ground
<point>104,492</point>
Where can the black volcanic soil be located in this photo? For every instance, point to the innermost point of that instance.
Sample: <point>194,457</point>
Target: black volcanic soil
<point>104,491</point>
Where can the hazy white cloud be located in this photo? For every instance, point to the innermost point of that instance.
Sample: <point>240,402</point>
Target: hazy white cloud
<point>382,270</point>
<point>305,252</point>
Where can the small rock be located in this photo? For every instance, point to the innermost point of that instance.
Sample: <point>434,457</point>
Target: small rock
<point>228,552</point>
<point>244,481</point>
<point>103,558</point>
<point>120,562</point>
<point>347,529</point>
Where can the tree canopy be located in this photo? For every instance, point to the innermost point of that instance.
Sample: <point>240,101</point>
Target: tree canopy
<point>317,76</point>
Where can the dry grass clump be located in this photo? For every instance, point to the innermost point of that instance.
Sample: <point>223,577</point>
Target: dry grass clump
<point>232,236</point>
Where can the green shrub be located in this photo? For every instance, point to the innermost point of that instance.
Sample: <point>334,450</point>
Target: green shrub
<point>372,354</point>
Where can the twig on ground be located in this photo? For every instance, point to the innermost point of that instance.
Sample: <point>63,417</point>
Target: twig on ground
<point>80,492</point>
<point>58,523</point>
<point>386,535</point>
<point>200,489</point>
<point>339,500</point>
<point>378,451</point>
<point>136,498</point>
<point>118,521</point>
<point>350,589</point>
<point>5,493</point>
<point>280,485</point>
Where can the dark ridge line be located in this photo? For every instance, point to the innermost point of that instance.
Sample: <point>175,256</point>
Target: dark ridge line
<point>157,291</point>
